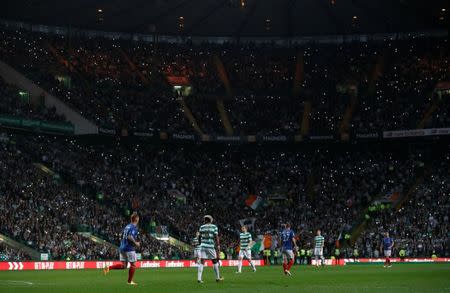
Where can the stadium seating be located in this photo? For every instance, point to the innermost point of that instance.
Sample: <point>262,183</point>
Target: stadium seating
<point>309,188</point>
<point>17,103</point>
<point>52,211</point>
<point>228,89</point>
<point>353,87</point>
<point>420,224</point>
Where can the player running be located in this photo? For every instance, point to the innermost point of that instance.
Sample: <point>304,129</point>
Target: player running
<point>209,246</point>
<point>127,249</point>
<point>386,246</point>
<point>196,244</point>
<point>245,243</point>
<point>318,249</point>
<point>288,244</point>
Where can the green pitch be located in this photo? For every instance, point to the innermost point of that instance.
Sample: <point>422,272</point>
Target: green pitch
<point>351,278</point>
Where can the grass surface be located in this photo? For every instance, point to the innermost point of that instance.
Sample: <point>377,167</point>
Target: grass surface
<point>351,278</point>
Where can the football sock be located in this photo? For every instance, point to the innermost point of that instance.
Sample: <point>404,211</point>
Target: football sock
<point>117,267</point>
<point>284,266</point>
<point>240,265</point>
<point>199,271</point>
<point>216,270</point>
<point>291,263</point>
<point>252,264</point>
<point>323,260</point>
<point>131,273</point>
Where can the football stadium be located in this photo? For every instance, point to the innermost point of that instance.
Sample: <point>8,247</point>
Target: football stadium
<point>224,146</point>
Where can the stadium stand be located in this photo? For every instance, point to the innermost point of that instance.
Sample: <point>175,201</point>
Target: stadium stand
<point>228,90</point>
<point>386,85</point>
<point>308,187</point>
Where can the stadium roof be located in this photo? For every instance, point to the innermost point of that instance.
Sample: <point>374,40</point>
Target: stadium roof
<point>234,17</point>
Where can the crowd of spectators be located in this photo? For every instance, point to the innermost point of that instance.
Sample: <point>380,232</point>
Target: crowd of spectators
<point>12,254</point>
<point>17,103</point>
<point>129,85</point>
<point>421,225</point>
<point>47,214</point>
<point>175,186</point>
<point>295,185</point>
<point>121,84</point>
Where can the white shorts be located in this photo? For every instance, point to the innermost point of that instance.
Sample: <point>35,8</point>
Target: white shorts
<point>387,253</point>
<point>129,256</point>
<point>208,253</point>
<point>318,251</point>
<point>288,255</point>
<point>197,253</point>
<point>245,253</point>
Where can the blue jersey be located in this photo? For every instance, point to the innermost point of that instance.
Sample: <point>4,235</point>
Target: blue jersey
<point>125,244</point>
<point>287,237</point>
<point>387,243</point>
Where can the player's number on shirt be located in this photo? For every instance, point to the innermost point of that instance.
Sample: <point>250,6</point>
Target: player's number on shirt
<point>125,233</point>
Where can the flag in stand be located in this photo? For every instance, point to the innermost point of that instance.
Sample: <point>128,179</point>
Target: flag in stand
<point>249,222</point>
<point>262,242</point>
<point>258,246</point>
<point>254,201</point>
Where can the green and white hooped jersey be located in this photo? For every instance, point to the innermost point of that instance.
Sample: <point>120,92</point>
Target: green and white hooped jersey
<point>245,239</point>
<point>319,241</point>
<point>195,243</point>
<point>208,233</point>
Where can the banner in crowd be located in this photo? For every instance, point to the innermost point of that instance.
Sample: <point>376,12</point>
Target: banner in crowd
<point>11,121</point>
<point>67,128</point>
<point>178,80</point>
<point>274,138</point>
<point>81,265</point>
<point>143,134</point>
<point>443,85</point>
<point>321,137</point>
<point>106,131</point>
<point>248,138</point>
<point>161,233</point>
<point>367,136</point>
<point>254,201</point>
<point>262,242</point>
<point>416,132</point>
<point>188,137</point>
<point>249,222</point>
<point>230,138</point>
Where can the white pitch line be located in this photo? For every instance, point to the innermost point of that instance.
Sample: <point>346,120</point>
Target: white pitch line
<point>23,283</point>
<point>356,287</point>
<point>14,282</point>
